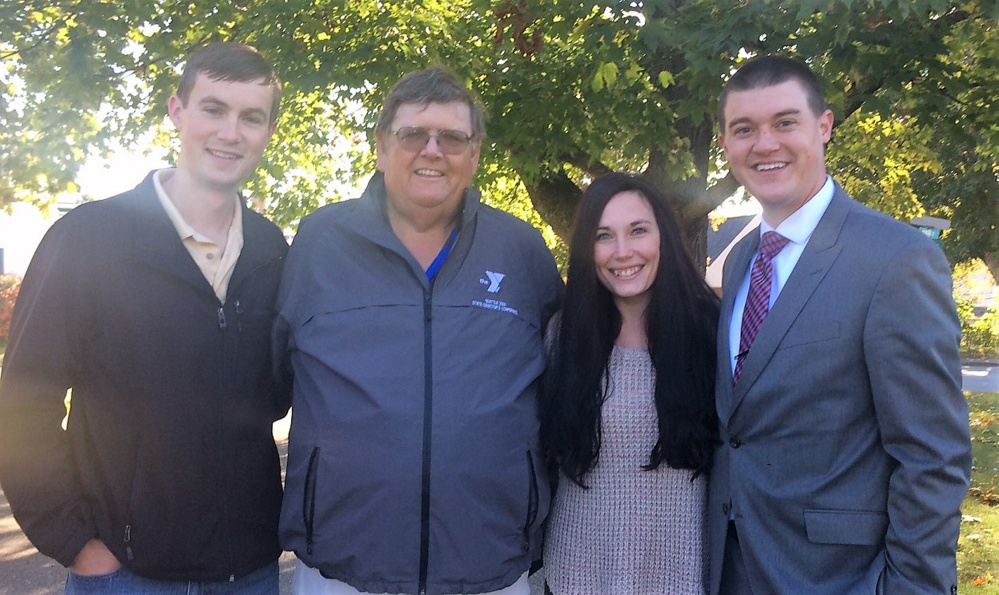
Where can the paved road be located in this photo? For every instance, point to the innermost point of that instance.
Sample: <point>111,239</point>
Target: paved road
<point>23,571</point>
<point>981,376</point>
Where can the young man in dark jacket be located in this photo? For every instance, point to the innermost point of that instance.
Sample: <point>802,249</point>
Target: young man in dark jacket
<point>154,309</point>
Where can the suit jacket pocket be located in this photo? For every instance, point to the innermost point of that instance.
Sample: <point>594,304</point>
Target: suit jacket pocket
<point>846,527</point>
<point>809,333</point>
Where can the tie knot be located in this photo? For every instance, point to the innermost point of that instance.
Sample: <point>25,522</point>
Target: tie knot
<point>772,243</point>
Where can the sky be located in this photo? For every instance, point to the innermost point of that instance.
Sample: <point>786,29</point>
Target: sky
<point>101,178</point>
<point>23,228</point>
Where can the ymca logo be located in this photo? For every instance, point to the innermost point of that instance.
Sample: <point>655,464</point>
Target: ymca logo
<point>494,281</point>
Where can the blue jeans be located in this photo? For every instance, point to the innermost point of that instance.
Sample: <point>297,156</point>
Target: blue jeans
<point>124,582</point>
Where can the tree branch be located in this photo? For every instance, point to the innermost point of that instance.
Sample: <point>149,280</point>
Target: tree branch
<point>555,197</point>
<point>592,167</point>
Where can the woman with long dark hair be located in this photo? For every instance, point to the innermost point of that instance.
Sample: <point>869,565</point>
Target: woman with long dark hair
<point>628,415</point>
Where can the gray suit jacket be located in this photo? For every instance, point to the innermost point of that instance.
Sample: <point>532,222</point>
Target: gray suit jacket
<point>845,448</point>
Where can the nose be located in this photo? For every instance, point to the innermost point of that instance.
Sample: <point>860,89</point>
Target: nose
<point>229,128</point>
<point>766,141</point>
<point>432,147</point>
<point>622,248</point>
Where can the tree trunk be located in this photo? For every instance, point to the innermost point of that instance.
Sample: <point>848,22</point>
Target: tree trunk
<point>555,198</point>
<point>992,262</point>
<point>697,240</point>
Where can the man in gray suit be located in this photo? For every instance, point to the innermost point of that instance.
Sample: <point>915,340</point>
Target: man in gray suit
<point>845,449</point>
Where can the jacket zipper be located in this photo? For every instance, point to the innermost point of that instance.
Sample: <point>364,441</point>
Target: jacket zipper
<point>136,480</point>
<point>309,498</point>
<point>234,286</point>
<point>228,353</point>
<point>532,501</point>
<point>128,543</point>
<point>428,409</point>
<point>239,316</point>
<point>227,363</point>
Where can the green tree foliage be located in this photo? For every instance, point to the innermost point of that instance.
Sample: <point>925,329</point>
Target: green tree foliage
<point>936,151</point>
<point>573,88</point>
<point>965,137</point>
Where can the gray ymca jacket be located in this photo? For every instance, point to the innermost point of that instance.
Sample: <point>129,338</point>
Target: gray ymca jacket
<point>414,461</point>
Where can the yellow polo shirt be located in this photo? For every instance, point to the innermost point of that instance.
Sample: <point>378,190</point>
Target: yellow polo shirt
<point>216,262</point>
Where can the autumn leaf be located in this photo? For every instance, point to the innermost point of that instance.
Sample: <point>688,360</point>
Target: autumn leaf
<point>978,582</point>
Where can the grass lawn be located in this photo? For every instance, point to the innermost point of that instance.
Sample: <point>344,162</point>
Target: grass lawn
<point>978,546</point>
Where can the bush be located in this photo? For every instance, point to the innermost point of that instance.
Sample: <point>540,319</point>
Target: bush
<point>979,335</point>
<point>9,286</point>
<point>975,292</point>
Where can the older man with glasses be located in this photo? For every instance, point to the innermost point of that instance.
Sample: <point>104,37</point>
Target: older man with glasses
<point>411,322</point>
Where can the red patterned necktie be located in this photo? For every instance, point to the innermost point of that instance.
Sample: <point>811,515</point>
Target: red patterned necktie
<point>758,301</point>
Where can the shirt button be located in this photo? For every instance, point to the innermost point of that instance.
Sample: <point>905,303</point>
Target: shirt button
<point>725,509</point>
<point>210,256</point>
<point>734,442</point>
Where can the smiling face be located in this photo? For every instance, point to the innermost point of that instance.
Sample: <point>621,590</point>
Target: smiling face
<point>775,146</point>
<point>427,182</point>
<point>224,128</point>
<point>626,249</point>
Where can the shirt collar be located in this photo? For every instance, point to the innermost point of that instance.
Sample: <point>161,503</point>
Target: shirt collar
<point>798,227</point>
<point>184,229</point>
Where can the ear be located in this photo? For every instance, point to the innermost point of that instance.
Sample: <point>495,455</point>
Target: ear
<point>476,152</point>
<point>721,140</point>
<point>380,150</point>
<point>174,108</point>
<point>826,125</point>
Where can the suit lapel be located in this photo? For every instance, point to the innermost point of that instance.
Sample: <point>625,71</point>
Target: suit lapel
<point>818,257</point>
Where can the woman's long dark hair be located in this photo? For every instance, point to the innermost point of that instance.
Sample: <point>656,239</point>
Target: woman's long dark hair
<point>681,321</point>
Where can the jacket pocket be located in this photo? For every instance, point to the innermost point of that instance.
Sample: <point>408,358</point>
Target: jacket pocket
<point>809,334</point>
<point>309,498</point>
<point>532,501</point>
<point>846,527</point>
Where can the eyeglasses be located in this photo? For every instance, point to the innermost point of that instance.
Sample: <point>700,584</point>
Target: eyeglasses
<point>450,142</point>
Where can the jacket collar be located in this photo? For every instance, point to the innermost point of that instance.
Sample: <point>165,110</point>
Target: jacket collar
<point>375,199</point>
<point>372,222</point>
<point>155,241</point>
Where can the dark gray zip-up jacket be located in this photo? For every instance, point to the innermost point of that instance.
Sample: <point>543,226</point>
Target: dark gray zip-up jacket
<point>414,461</point>
<point>168,456</point>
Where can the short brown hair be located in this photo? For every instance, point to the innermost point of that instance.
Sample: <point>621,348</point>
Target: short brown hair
<point>770,71</point>
<point>228,61</point>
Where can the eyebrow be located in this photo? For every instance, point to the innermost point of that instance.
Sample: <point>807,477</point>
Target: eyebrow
<point>209,99</point>
<point>212,100</point>
<point>778,115</point>
<point>632,224</point>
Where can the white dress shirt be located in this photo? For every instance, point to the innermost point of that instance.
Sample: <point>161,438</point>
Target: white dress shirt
<point>797,228</point>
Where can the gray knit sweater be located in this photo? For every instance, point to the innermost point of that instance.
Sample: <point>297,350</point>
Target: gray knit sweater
<point>633,531</point>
